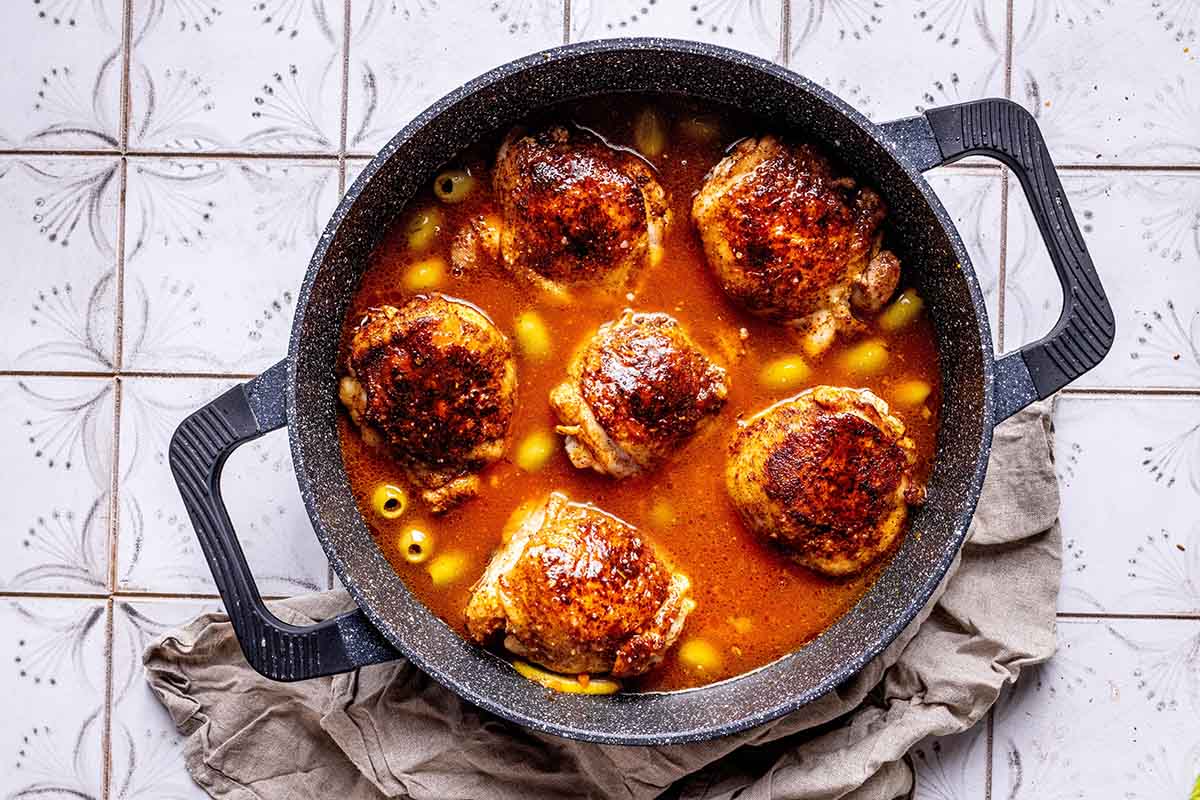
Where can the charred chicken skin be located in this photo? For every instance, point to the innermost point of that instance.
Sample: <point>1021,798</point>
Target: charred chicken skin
<point>434,381</point>
<point>577,590</point>
<point>827,475</point>
<point>794,242</point>
<point>574,209</point>
<point>635,393</point>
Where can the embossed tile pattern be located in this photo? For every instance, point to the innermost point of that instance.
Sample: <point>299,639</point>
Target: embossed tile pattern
<point>169,239</point>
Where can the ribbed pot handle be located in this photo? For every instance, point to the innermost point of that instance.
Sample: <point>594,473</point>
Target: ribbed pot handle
<point>1005,131</point>
<point>199,448</point>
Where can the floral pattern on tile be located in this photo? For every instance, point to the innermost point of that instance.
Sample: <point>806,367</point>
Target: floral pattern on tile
<point>952,767</point>
<point>1114,687</point>
<point>56,480</point>
<point>863,51</point>
<point>215,253</point>
<point>1129,471</point>
<point>157,549</point>
<point>65,93</point>
<point>1141,230</point>
<point>58,217</point>
<point>236,76</point>
<point>1109,82</point>
<point>53,708</point>
<point>754,26</point>
<point>399,64</point>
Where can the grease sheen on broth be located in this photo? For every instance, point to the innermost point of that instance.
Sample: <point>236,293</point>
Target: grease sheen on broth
<point>753,604</point>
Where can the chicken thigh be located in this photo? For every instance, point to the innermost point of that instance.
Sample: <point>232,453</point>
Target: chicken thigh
<point>827,475</point>
<point>578,590</point>
<point>635,393</point>
<point>792,241</point>
<point>574,209</point>
<point>434,381</point>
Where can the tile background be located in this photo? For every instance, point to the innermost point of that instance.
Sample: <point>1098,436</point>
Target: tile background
<point>166,167</point>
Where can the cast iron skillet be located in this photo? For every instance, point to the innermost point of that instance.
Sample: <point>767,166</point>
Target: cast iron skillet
<point>978,390</point>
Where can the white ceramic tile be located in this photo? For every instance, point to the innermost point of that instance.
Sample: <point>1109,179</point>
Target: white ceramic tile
<point>1112,715</point>
<point>157,550</point>
<point>58,219</point>
<point>1110,82</point>
<point>952,767</point>
<point>405,55</point>
<point>55,483</point>
<point>972,198</point>
<point>216,251</point>
<point>754,26</point>
<point>1129,473</point>
<point>60,75</point>
<point>1141,231</point>
<point>893,60</point>
<point>52,705</point>
<point>242,76</point>
<point>147,749</point>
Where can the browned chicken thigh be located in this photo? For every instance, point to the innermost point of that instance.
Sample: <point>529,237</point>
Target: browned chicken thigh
<point>578,590</point>
<point>635,393</point>
<point>434,381</point>
<point>574,209</point>
<point>794,242</point>
<point>828,475</point>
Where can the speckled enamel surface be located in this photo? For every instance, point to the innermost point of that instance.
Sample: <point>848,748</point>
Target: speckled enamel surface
<point>921,233</point>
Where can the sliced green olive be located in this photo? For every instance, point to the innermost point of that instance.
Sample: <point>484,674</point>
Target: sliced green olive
<point>902,311</point>
<point>650,133</point>
<point>416,545</point>
<point>453,186</point>
<point>422,228</point>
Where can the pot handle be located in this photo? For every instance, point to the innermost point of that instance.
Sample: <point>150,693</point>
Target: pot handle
<point>1005,131</point>
<point>278,650</point>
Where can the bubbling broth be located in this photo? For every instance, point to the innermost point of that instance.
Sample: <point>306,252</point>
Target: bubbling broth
<point>753,604</point>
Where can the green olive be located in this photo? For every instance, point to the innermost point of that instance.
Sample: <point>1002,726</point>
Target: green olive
<point>866,358</point>
<point>453,185</point>
<point>415,545</point>
<point>389,501</point>
<point>903,310</point>
<point>650,133</point>
<point>422,228</point>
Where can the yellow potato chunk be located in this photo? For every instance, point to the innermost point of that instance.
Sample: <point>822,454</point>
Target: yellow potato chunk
<point>533,337</point>
<point>422,228</point>
<point>415,545</point>
<point>427,273</point>
<point>534,451</point>
<point>866,358</point>
<point>911,392</point>
<point>784,374</point>
<point>662,514</point>
<point>902,311</point>
<point>453,186</point>
<point>447,568</point>
<point>565,683</point>
<point>650,133</point>
<point>389,500</point>
<point>700,655</point>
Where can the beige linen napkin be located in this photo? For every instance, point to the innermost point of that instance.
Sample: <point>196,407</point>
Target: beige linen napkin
<point>390,731</point>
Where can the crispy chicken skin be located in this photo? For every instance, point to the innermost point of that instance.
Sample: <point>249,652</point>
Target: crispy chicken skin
<point>792,241</point>
<point>828,475</point>
<point>575,210</point>
<point>578,590</point>
<point>435,382</point>
<point>635,393</point>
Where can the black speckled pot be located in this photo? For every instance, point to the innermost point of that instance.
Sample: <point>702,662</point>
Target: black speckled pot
<point>301,392</point>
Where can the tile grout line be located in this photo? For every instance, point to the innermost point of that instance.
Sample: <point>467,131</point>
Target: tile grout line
<point>785,32</point>
<point>106,733</point>
<point>114,489</point>
<point>1002,268</point>
<point>345,96</point>
<point>990,750</point>
<point>126,57</point>
<point>566,31</point>
<point>119,267</point>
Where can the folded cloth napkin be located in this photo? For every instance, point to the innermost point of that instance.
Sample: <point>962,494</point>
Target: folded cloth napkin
<point>391,731</point>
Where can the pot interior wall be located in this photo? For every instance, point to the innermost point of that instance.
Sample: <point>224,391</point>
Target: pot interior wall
<point>920,234</point>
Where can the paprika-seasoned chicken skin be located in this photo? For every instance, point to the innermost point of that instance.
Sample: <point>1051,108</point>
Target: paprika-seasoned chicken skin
<point>434,381</point>
<point>574,209</point>
<point>794,242</point>
<point>578,590</point>
<point>827,475</point>
<point>635,393</point>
